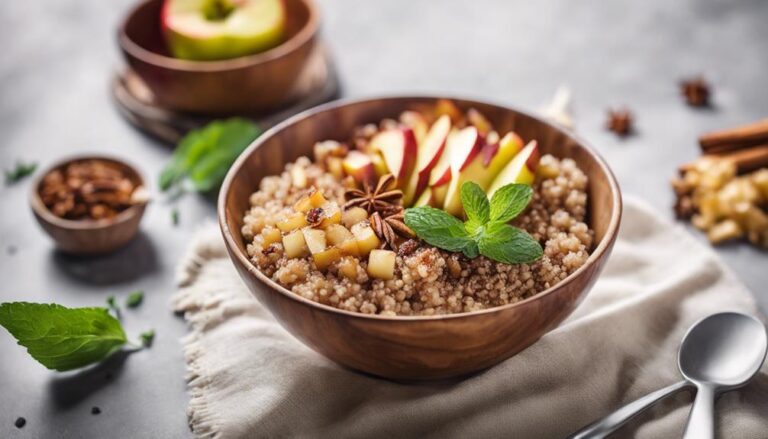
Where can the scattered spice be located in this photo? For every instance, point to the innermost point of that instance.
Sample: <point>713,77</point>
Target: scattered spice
<point>696,91</point>
<point>620,121</point>
<point>95,410</point>
<point>378,199</point>
<point>20,422</point>
<point>89,189</point>
<point>18,173</point>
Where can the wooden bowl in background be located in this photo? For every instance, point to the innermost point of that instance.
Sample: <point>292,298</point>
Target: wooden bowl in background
<point>246,84</point>
<point>89,237</point>
<point>414,348</point>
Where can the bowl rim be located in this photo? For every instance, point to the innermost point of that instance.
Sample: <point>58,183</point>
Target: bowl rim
<point>601,249</point>
<point>36,202</point>
<point>304,35</point>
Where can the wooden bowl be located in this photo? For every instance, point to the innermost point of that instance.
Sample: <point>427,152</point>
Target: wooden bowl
<point>250,83</point>
<point>414,348</point>
<point>89,237</point>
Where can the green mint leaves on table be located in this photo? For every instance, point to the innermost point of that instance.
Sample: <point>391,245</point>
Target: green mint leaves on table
<point>486,231</point>
<point>63,338</point>
<point>205,155</point>
<point>20,171</point>
<point>134,299</point>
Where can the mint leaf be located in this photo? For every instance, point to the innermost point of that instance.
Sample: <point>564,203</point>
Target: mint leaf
<point>147,337</point>
<point>440,229</point>
<point>205,155</point>
<point>475,204</point>
<point>63,338</point>
<point>18,173</point>
<point>134,299</point>
<point>504,243</point>
<point>509,201</point>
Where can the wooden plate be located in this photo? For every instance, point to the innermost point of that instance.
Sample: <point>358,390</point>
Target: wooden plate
<point>318,84</point>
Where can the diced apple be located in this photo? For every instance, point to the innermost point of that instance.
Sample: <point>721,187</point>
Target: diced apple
<point>294,245</point>
<point>327,257</point>
<point>381,264</point>
<point>270,235</point>
<point>350,248</point>
<point>331,214</point>
<point>353,215</point>
<point>292,222</point>
<point>315,239</point>
<point>482,170</point>
<point>348,267</point>
<point>358,165</point>
<point>317,199</point>
<point>336,234</point>
<point>335,167</point>
<point>398,147</point>
<point>429,152</point>
<point>303,205</point>
<point>365,237</point>
<point>521,169</point>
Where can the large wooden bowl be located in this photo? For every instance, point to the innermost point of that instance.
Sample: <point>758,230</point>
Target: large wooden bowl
<point>251,83</point>
<point>414,348</point>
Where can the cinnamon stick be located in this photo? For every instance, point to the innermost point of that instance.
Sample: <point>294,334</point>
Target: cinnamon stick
<point>746,160</point>
<point>733,139</point>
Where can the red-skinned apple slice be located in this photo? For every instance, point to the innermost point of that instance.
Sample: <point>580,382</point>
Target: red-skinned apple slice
<point>429,153</point>
<point>398,147</point>
<point>359,166</point>
<point>463,146</point>
<point>521,169</point>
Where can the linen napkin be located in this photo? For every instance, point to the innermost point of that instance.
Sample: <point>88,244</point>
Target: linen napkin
<point>248,377</point>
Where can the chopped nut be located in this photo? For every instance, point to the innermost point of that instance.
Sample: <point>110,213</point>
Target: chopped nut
<point>315,216</point>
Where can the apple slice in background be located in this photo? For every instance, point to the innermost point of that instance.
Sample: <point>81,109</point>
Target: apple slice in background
<point>482,170</point>
<point>398,147</point>
<point>429,152</point>
<point>359,166</point>
<point>521,169</point>
<point>378,163</point>
<point>206,30</point>
<point>464,146</point>
<point>417,122</point>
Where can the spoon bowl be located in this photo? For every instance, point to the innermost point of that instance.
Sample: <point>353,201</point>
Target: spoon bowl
<point>723,350</point>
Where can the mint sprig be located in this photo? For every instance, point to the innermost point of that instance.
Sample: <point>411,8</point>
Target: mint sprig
<point>486,231</point>
<point>62,338</point>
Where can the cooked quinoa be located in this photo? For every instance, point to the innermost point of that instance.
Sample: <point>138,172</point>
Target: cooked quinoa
<point>428,280</point>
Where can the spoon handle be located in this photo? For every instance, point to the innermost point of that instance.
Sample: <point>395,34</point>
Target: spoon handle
<point>701,422</point>
<point>610,423</point>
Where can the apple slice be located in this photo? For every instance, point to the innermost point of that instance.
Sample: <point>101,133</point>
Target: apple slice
<point>482,170</point>
<point>398,147</point>
<point>429,153</point>
<point>425,199</point>
<point>417,122</point>
<point>359,166</point>
<point>205,30</point>
<point>463,146</point>
<point>521,169</point>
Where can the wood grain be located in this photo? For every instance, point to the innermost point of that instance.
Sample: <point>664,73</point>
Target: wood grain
<point>89,237</point>
<point>257,82</point>
<point>414,348</point>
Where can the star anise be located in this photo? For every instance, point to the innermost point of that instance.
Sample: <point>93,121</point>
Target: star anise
<point>389,228</point>
<point>695,91</point>
<point>620,121</point>
<point>382,198</point>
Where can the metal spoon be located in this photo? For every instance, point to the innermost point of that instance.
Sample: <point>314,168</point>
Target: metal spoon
<point>719,353</point>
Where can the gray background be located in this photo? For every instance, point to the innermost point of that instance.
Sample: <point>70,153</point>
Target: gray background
<point>58,56</point>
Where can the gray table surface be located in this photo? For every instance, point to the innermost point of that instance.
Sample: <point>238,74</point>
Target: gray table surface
<point>58,56</point>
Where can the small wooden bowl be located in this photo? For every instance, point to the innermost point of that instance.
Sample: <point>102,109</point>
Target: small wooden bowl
<point>89,237</point>
<point>414,348</point>
<point>250,83</point>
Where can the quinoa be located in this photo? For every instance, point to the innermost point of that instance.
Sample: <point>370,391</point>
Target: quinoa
<point>428,280</point>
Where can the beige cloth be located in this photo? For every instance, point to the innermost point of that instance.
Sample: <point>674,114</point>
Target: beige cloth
<point>249,378</point>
